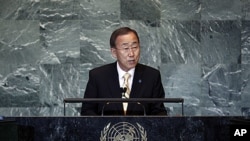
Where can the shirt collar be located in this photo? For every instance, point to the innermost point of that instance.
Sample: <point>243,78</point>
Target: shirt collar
<point>122,72</point>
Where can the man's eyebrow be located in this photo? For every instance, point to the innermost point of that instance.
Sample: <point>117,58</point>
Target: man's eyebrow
<point>125,43</point>
<point>135,42</point>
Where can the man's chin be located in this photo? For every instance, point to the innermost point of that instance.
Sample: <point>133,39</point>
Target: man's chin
<point>131,66</point>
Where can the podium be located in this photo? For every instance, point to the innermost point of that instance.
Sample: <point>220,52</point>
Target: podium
<point>123,128</point>
<point>135,128</point>
<point>8,130</point>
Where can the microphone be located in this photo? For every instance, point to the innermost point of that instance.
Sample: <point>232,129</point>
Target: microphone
<point>123,91</point>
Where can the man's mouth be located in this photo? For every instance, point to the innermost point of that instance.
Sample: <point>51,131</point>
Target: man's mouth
<point>131,62</point>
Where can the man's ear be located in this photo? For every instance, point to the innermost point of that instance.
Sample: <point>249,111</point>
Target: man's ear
<point>113,52</point>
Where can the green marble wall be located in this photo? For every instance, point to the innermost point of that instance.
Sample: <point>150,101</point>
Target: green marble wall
<point>201,48</point>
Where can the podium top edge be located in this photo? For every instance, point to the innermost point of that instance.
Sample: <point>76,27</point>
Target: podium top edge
<point>78,100</point>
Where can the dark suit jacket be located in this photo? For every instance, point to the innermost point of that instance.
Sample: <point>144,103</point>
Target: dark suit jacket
<point>104,83</point>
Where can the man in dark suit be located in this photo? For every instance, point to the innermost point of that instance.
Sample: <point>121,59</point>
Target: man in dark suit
<point>142,82</point>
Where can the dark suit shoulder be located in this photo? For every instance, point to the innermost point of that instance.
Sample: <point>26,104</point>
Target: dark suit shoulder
<point>145,68</point>
<point>105,69</point>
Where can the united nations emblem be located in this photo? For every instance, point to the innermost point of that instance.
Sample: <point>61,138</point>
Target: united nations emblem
<point>123,131</point>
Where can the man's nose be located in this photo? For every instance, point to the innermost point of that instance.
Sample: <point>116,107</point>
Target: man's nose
<point>131,52</point>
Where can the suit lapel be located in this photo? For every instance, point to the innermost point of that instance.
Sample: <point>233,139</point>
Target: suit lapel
<point>136,86</point>
<point>114,85</point>
<point>137,81</point>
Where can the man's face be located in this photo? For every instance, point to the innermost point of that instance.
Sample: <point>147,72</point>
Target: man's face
<point>127,51</point>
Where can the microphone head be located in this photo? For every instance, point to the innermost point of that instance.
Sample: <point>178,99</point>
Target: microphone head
<point>123,89</point>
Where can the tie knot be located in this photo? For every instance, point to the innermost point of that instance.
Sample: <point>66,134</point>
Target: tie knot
<point>126,76</point>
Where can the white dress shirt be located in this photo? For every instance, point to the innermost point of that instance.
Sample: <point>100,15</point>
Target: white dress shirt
<point>121,74</point>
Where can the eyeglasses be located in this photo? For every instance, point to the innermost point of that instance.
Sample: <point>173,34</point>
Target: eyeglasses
<point>126,47</point>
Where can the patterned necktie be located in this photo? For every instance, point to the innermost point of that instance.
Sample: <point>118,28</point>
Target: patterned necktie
<point>126,94</point>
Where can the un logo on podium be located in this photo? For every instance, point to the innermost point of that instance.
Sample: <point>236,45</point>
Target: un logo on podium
<point>123,131</point>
